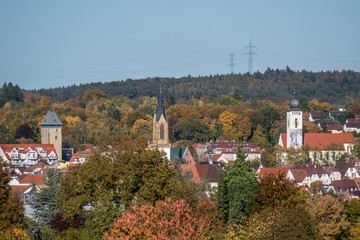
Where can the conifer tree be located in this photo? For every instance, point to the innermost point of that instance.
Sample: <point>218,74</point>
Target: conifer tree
<point>222,199</point>
<point>45,207</point>
<point>237,191</point>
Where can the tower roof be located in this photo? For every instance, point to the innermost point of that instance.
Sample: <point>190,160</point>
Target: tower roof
<point>51,119</point>
<point>294,103</point>
<point>160,109</point>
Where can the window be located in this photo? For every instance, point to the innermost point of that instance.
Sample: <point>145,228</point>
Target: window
<point>55,137</point>
<point>162,131</point>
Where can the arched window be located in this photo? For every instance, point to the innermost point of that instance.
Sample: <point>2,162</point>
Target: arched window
<point>162,131</point>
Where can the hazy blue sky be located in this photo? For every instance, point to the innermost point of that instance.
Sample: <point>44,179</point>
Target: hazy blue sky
<point>47,44</point>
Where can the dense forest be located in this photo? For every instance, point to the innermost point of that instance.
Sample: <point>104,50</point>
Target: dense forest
<point>329,86</point>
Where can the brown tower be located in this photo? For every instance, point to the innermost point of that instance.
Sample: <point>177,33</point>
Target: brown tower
<point>160,126</point>
<point>51,127</point>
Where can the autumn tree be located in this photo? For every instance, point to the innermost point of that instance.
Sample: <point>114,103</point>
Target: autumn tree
<point>143,128</point>
<point>235,127</point>
<point>11,208</point>
<point>259,137</point>
<point>126,172</point>
<point>329,214</point>
<point>165,220</point>
<point>276,223</point>
<point>309,127</point>
<point>278,191</point>
<point>355,230</point>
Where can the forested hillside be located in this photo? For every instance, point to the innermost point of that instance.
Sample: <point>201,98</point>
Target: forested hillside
<point>328,86</point>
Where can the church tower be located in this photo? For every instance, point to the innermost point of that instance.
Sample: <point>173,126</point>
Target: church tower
<point>294,126</point>
<point>51,127</point>
<point>160,126</point>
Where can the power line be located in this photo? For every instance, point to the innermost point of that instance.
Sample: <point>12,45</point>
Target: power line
<point>310,58</point>
<point>232,64</point>
<point>250,51</point>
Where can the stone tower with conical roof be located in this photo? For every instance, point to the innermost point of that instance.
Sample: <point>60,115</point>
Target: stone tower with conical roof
<point>51,131</point>
<point>294,124</point>
<point>160,125</point>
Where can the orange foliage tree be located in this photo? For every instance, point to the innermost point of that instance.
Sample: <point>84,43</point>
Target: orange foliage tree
<point>167,220</point>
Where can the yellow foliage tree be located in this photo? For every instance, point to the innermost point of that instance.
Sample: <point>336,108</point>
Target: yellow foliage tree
<point>142,127</point>
<point>329,213</point>
<point>355,231</point>
<point>314,105</point>
<point>235,127</point>
<point>71,121</point>
<point>14,234</point>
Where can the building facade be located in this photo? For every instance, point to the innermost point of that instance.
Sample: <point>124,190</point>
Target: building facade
<point>51,131</point>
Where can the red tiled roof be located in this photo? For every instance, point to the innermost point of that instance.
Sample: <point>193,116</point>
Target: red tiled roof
<point>192,169</point>
<point>216,157</point>
<point>345,185</point>
<point>299,174</point>
<point>323,139</point>
<point>32,178</point>
<point>83,154</point>
<point>208,172</point>
<point>40,164</point>
<point>283,138</point>
<point>273,171</point>
<point>24,148</point>
<point>18,189</point>
<point>335,127</point>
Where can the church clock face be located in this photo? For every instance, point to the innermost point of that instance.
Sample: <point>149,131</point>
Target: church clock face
<point>295,138</point>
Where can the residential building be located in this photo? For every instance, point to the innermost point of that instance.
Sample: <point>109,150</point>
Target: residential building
<point>28,154</point>
<point>226,151</point>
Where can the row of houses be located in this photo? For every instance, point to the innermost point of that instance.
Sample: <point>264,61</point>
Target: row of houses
<point>331,124</point>
<point>342,179</point>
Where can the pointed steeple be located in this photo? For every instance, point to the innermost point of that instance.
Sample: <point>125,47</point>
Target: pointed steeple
<point>160,109</point>
<point>51,119</point>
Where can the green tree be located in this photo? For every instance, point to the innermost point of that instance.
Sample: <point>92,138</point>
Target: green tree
<point>240,190</point>
<point>304,105</point>
<point>171,100</point>
<point>222,198</point>
<point>191,129</point>
<point>44,205</point>
<point>8,92</point>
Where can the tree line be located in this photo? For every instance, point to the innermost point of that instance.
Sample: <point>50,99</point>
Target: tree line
<point>329,86</point>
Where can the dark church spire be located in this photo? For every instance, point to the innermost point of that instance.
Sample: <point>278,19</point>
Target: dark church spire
<point>160,109</point>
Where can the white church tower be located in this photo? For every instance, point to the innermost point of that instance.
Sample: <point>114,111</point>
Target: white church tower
<point>294,126</point>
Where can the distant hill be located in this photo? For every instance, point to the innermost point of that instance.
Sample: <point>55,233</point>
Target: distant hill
<point>330,86</point>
